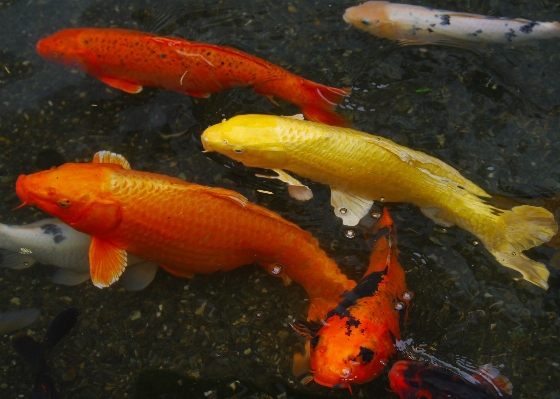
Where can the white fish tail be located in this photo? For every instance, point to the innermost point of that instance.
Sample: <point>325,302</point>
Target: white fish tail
<point>525,227</point>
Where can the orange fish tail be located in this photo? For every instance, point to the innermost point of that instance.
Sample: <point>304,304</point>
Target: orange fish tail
<point>318,103</point>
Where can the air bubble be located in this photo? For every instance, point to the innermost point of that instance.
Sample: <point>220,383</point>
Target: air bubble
<point>382,199</point>
<point>276,269</point>
<point>514,253</point>
<point>407,295</point>
<point>376,215</point>
<point>343,211</point>
<point>475,242</point>
<point>350,233</point>
<point>399,305</point>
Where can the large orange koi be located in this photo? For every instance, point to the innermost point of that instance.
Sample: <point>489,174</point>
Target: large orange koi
<point>357,339</point>
<point>185,228</point>
<point>128,60</point>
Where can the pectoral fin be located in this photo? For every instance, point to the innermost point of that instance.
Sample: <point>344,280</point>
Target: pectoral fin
<point>13,260</point>
<point>120,84</point>
<point>106,261</point>
<point>349,207</point>
<point>296,189</point>
<point>298,117</point>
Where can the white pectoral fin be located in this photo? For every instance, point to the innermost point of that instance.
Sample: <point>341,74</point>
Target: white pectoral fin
<point>349,207</point>
<point>296,189</point>
<point>69,277</point>
<point>138,276</point>
<point>14,260</point>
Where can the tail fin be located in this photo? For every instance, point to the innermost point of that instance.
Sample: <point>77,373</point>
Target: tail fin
<point>319,101</point>
<point>525,227</point>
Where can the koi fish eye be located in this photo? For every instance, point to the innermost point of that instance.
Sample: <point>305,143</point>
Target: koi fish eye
<point>238,150</point>
<point>64,203</point>
<point>224,141</point>
<point>366,22</point>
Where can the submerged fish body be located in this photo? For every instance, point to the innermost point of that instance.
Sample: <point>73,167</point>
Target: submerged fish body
<point>421,380</point>
<point>16,319</point>
<point>411,24</point>
<point>37,354</point>
<point>52,242</point>
<point>186,228</point>
<point>361,168</point>
<point>129,60</point>
<point>356,341</point>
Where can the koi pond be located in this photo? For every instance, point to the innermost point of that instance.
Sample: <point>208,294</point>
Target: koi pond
<point>491,111</point>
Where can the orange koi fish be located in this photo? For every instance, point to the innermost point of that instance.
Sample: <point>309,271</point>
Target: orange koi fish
<point>185,228</point>
<point>412,380</point>
<point>128,60</point>
<point>357,339</point>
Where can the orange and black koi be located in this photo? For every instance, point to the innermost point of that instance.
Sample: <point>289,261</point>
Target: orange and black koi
<point>415,380</point>
<point>357,339</point>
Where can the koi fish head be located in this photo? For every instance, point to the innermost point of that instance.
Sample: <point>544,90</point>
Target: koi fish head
<point>348,352</point>
<point>73,193</point>
<point>254,140</point>
<point>63,47</point>
<point>372,17</point>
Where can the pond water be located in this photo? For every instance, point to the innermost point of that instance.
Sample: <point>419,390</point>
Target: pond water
<point>492,113</point>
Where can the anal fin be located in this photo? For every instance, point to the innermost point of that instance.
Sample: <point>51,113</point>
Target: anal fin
<point>296,189</point>
<point>121,84</point>
<point>107,262</point>
<point>349,207</point>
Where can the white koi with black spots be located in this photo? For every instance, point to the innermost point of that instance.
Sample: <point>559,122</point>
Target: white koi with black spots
<point>416,25</point>
<point>52,242</point>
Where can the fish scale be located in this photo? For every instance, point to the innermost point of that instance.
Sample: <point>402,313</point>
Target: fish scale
<point>361,168</point>
<point>128,60</point>
<point>184,227</point>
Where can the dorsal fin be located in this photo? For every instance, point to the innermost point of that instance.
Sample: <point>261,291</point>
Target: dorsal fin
<point>110,157</point>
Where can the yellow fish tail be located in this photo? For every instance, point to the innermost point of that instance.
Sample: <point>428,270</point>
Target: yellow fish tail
<point>525,227</point>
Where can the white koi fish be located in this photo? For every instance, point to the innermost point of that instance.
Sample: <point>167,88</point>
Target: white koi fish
<point>412,25</point>
<point>52,242</point>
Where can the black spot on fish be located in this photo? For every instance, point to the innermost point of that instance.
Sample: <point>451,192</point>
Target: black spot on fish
<point>59,238</point>
<point>366,354</point>
<point>432,25</point>
<point>366,287</point>
<point>474,34</point>
<point>351,322</point>
<point>51,229</point>
<point>430,30</point>
<point>55,231</point>
<point>163,56</point>
<point>314,341</point>
<point>528,28</point>
<point>445,19</point>
<point>510,35</point>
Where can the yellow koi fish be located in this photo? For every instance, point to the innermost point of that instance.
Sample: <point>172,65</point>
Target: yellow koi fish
<point>361,168</point>
<point>423,25</point>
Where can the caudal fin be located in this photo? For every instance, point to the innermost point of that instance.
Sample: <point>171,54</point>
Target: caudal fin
<point>525,227</point>
<point>318,103</point>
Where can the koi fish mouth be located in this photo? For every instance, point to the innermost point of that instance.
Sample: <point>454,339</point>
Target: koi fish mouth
<point>22,192</point>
